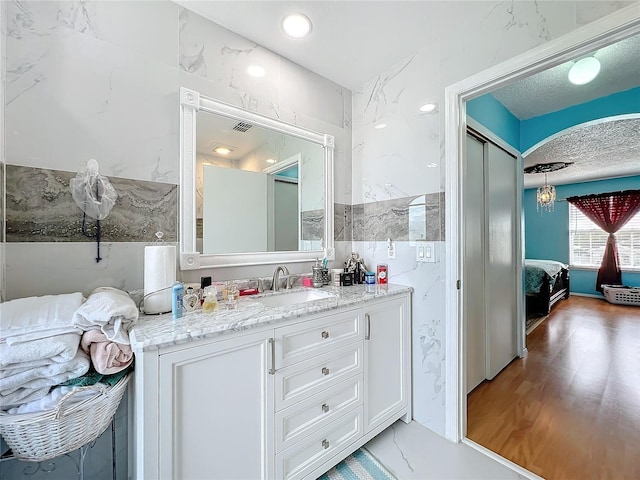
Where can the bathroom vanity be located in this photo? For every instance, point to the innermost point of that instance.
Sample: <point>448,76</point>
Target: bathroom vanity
<point>274,389</point>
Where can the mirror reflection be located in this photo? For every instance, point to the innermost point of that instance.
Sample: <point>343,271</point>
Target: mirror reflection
<point>258,190</point>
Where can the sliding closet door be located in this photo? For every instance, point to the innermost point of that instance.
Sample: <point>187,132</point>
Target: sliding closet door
<point>473,287</point>
<point>500,274</point>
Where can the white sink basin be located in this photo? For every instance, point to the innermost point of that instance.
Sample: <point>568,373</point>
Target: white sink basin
<point>292,298</point>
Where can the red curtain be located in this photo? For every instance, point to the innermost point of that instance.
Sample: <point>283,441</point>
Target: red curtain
<point>610,212</point>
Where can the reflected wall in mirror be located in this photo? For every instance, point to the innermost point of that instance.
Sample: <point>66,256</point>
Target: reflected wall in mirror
<point>253,189</point>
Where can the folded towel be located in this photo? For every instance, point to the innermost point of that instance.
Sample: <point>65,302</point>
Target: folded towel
<point>109,309</point>
<point>14,398</point>
<point>44,351</point>
<point>45,376</point>
<point>107,357</point>
<point>31,318</point>
<point>51,399</point>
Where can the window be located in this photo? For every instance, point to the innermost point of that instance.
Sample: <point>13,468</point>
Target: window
<point>587,241</point>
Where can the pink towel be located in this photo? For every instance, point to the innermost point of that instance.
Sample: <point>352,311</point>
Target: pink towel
<point>107,357</point>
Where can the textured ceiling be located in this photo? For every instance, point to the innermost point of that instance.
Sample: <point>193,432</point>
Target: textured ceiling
<point>605,149</point>
<point>550,90</point>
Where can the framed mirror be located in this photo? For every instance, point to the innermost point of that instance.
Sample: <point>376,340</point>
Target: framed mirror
<point>253,190</point>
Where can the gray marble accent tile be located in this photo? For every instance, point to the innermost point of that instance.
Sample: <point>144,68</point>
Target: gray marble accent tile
<point>40,209</point>
<point>342,222</point>
<point>419,217</point>
<point>357,222</point>
<point>2,202</point>
<point>312,224</point>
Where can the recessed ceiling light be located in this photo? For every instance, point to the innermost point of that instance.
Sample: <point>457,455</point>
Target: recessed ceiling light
<point>584,70</point>
<point>380,125</point>
<point>270,160</point>
<point>222,150</point>
<point>256,71</point>
<point>432,165</point>
<point>428,107</point>
<point>296,25</point>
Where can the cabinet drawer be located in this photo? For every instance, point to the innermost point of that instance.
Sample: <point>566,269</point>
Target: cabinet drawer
<point>302,458</point>
<point>301,341</point>
<point>302,380</point>
<point>304,418</point>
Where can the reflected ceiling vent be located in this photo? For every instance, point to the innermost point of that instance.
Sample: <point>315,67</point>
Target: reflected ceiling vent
<point>241,127</point>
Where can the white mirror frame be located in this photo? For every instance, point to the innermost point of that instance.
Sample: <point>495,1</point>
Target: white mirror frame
<point>190,103</point>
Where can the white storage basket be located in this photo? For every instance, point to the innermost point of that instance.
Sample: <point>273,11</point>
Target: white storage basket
<point>621,294</point>
<point>45,435</point>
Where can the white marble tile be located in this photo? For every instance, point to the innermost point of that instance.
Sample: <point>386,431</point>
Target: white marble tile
<point>123,23</point>
<point>587,12</point>
<point>412,452</point>
<point>41,268</point>
<point>71,97</point>
<point>428,327</point>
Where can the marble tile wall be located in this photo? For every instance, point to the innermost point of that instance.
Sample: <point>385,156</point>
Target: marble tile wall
<point>95,79</point>
<point>40,209</point>
<point>393,165</point>
<point>419,217</point>
<point>312,224</point>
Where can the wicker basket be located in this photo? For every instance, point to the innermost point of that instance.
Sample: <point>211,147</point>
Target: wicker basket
<point>45,435</point>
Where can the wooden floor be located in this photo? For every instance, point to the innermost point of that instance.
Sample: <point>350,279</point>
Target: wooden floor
<point>571,408</point>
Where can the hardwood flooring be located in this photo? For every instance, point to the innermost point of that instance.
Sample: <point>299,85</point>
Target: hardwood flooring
<point>571,408</point>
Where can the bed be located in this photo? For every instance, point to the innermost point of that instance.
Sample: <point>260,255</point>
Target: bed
<point>546,282</point>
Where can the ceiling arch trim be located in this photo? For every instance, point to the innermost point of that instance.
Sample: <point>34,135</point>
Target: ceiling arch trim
<point>569,130</point>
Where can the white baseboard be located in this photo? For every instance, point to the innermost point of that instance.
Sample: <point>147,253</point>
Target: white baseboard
<point>591,295</point>
<point>507,463</point>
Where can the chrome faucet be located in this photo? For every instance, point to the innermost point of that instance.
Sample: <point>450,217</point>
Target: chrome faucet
<point>275,282</point>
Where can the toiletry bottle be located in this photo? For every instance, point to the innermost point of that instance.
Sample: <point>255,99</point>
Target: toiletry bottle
<point>316,276</point>
<point>177,291</point>
<point>210,303</point>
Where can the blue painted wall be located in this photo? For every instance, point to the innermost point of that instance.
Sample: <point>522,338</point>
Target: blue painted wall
<point>490,113</point>
<point>536,129</point>
<point>547,233</point>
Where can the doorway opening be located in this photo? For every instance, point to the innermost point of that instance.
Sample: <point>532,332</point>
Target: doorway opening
<point>610,29</point>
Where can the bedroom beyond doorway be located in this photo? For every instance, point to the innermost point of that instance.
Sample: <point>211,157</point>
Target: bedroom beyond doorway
<point>571,408</point>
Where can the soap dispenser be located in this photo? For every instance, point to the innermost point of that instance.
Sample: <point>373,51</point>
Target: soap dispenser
<point>317,277</point>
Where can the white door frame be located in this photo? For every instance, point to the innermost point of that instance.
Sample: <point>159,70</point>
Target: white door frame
<point>602,32</point>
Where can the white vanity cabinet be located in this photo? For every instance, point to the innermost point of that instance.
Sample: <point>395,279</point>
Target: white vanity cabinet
<point>387,355</point>
<point>216,410</point>
<point>285,401</point>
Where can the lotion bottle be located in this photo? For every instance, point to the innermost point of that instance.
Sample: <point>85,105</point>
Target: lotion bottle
<point>177,292</point>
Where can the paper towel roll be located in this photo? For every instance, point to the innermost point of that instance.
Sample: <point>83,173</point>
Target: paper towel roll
<point>159,273</point>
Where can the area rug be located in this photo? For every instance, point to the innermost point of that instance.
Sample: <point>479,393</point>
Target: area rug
<point>360,465</point>
<point>533,321</point>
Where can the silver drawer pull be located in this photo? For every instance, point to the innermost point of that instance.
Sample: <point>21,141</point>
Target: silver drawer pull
<point>325,407</point>
<point>325,371</point>
<point>325,443</point>
<point>325,334</point>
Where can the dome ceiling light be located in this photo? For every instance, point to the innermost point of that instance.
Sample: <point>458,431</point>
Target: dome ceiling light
<point>296,25</point>
<point>584,70</point>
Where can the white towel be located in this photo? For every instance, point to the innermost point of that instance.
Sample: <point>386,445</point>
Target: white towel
<point>50,401</point>
<point>31,318</point>
<point>109,309</point>
<point>46,376</point>
<point>57,349</point>
<point>21,395</point>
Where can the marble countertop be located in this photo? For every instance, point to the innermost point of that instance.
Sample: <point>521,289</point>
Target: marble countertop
<point>158,331</point>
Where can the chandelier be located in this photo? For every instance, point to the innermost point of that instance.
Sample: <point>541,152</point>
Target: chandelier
<point>545,196</point>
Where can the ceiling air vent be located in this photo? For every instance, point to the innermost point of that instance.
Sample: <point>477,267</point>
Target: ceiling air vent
<point>241,127</point>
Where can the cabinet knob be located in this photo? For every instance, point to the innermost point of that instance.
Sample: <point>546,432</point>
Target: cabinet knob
<point>325,407</point>
<point>325,371</point>
<point>325,443</point>
<point>325,334</point>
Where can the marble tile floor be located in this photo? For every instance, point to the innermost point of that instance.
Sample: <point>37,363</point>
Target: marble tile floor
<point>413,452</point>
